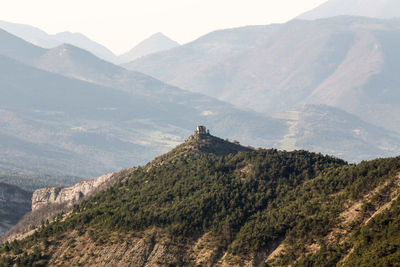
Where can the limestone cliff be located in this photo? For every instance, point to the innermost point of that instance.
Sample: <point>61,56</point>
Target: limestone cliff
<point>48,202</point>
<point>70,195</point>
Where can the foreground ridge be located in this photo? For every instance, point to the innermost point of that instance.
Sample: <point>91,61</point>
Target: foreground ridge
<point>212,202</point>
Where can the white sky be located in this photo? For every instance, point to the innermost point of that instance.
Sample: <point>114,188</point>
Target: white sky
<point>121,24</point>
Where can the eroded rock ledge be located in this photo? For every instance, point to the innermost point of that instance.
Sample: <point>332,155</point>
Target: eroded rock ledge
<point>60,195</point>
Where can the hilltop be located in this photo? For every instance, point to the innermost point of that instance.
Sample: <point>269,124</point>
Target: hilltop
<point>202,143</point>
<point>223,204</point>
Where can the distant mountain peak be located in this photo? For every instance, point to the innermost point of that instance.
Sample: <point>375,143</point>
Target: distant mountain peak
<point>159,34</point>
<point>42,39</point>
<point>155,43</point>
<point>71,33</point>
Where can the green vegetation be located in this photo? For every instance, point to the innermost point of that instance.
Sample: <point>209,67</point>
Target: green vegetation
<point>319,203</point>
<point>379,241</point>
<point>192,196</point>
<point>250,201</point>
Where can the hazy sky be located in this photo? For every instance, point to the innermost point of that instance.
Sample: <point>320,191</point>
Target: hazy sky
<point>120,24</point>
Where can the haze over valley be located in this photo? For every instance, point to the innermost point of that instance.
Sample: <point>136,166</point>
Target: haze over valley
<point>259,145</point>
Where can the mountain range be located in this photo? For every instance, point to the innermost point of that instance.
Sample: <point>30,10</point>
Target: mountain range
<point>346,62</point>
<point>155,43</point>
<point>110,118</point>
<point>103,117</point>
<point>384,9</point>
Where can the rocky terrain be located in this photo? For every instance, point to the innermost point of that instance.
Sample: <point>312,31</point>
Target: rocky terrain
<point>48,202</point>
<point>72,194</point>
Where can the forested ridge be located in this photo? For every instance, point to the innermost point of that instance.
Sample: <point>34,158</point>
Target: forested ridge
<point>260,207</point>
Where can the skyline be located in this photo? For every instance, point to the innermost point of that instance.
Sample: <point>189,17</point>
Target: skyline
<point>109,23</point>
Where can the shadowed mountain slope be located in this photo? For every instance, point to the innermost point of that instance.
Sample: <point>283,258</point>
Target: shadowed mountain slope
<point>14,47</point>
<point>46,120</point>
<point>14,203</point>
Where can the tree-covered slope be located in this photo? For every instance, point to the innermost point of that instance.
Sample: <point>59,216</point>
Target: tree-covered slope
<point>239,209</point>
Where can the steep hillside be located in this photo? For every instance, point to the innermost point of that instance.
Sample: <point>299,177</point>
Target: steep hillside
<point>156,43</point>
<point>16,48</point>
<point>384,9</point>
<point>14,203</point>
<point>346,62</point>
<point>241,209</point>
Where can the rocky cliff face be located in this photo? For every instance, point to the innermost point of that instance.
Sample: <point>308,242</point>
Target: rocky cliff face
<point>69,195</point>
<point>14,203</point>
<point>48,202</point>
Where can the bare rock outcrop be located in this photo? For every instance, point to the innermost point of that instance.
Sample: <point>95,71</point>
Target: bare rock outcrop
<point>48,202</point>
<point>70,195</point>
